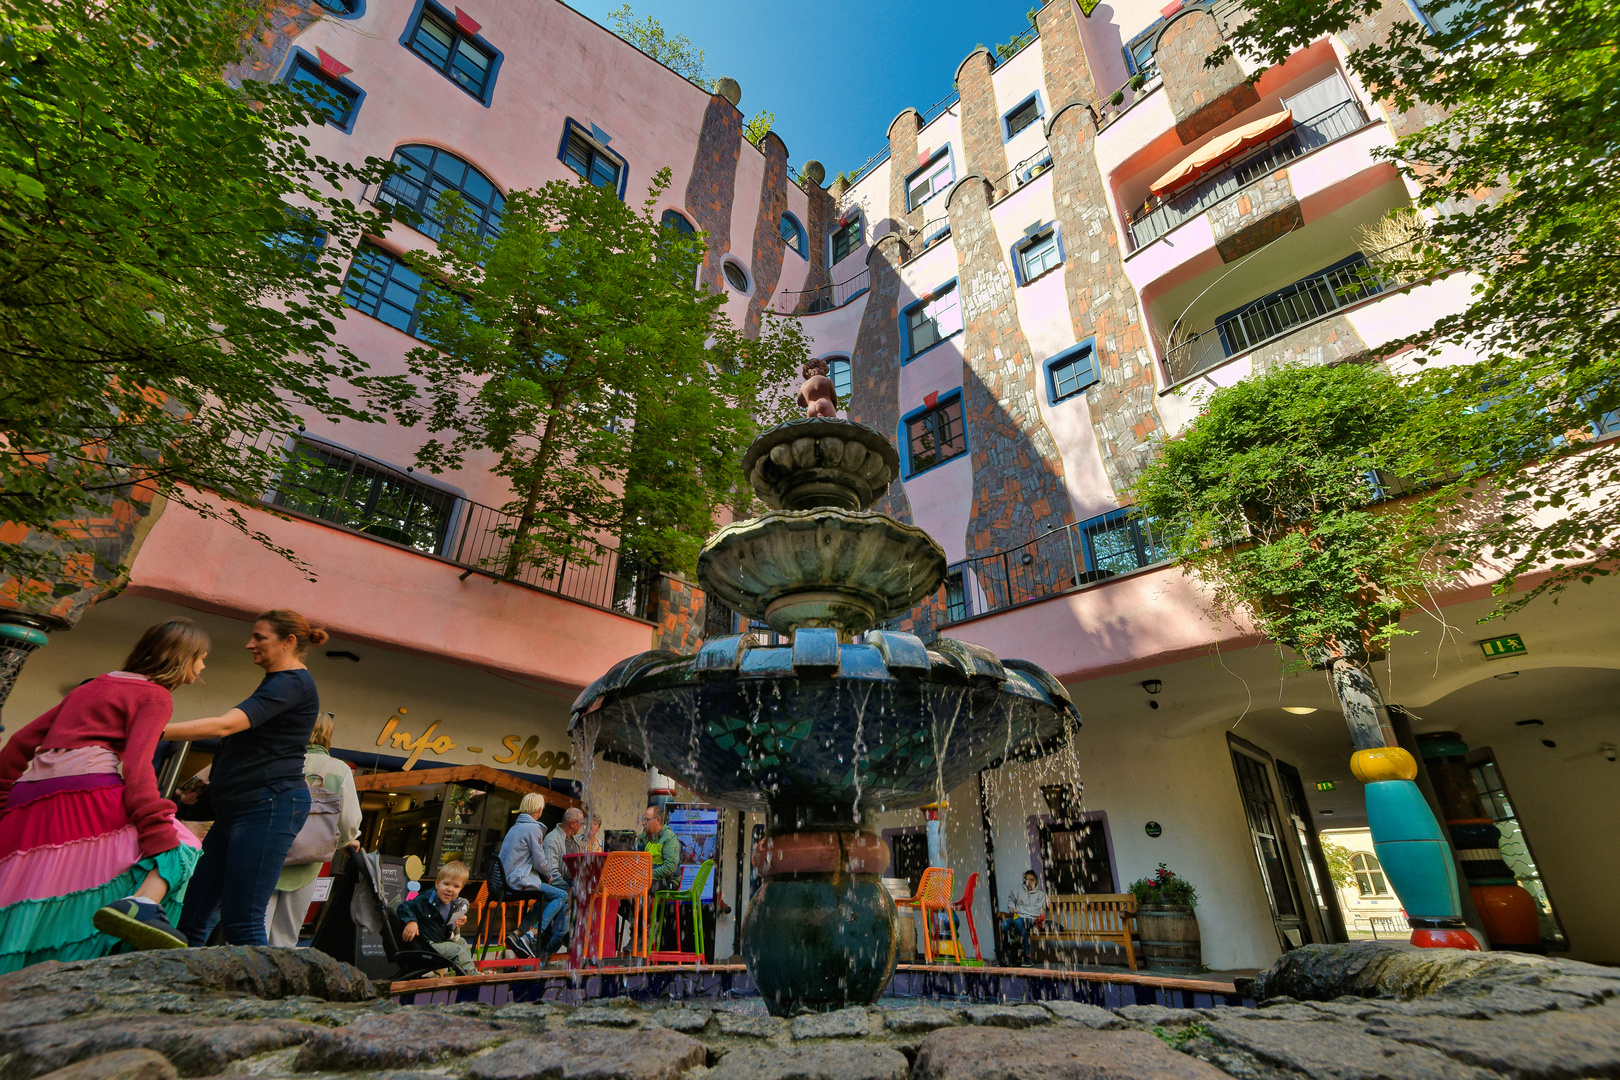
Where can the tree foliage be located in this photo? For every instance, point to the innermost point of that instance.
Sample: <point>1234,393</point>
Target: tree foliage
<point>1272,494</point>
<point>1519,179</point>
<point>616,397</point>
<point>758,126</point>
<point>1337,856</point>
<point>674,51</point>
<point>158,293</point>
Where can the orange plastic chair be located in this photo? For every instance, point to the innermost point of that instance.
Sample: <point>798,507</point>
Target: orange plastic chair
<point>626,875</point>
<point>484,910</point>
<point>965,905</point>
<point>934,896</point>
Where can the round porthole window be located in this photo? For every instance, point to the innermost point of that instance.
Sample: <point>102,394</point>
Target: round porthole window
<point>737,276</point>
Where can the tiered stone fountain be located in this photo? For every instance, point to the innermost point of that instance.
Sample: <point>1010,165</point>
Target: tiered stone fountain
<point>845,721</point>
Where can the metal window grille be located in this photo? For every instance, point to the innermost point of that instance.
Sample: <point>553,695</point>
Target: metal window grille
<point>442,44</point>
<point>426,174</point>
<point>381,286</point>
<point>591,161</point>
<point>935,320</point>
<point>334,100</point>
<point>1039,255</point>
<point>1119,542</point>
<point>366,496</point>
<point>1304,300</point>
<point>936,436</point>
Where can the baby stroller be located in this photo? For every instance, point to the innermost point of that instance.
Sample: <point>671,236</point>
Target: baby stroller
<point>370,910</point>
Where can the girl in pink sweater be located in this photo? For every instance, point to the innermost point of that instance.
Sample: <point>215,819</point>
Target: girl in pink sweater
<point>85,839</point>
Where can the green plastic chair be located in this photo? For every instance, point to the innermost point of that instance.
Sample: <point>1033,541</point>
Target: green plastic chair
<point>693,896</point>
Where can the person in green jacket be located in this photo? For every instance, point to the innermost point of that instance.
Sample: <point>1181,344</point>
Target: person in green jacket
<point>295,889</point>
<point>657,837</point>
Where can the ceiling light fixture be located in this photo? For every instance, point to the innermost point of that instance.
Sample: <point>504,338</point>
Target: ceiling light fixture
<point>1299,710</point>
<point>1532,722</point>
<point>1153,686</point>
<point>1506,675</point>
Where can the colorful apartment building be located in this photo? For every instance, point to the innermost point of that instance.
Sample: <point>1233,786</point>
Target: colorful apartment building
<point>1026,288</point>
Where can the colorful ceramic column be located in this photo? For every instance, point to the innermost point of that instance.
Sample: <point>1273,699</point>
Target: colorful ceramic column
<point>20,635</point>
<point>1506,909</point>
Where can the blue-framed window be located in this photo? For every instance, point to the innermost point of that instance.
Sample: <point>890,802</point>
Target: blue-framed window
<point>426,173</point>
<point>460,56</point>
<point>931,320</point>
<point>678,221</point>
<point>839,372</point>
<point>793,235</point>
<point>846,239</point>
<point>593,161</point>
<point>1441,16</point>
<point>1071,371</point>
<point>935,435</point>
<point>1140,51</point>
<point>1345,282</point>
<point>344,9</point>
<point>1119,542</point>
<point>956,597</point>
<point>337,99</point>
<point>380,285</point>
<point>1020,116</point>
<point>1040,250</point>
<point>936,176</point>
<point>301,241</point>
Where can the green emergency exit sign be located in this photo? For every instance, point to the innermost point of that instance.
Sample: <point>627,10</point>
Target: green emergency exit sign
<point>1498,648</point>
<point>1324,785</point>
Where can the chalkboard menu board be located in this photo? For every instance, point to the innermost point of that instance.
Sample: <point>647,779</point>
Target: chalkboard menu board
<point>370,956</point>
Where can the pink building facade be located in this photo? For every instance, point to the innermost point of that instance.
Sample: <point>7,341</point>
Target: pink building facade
<point>1028,287</point>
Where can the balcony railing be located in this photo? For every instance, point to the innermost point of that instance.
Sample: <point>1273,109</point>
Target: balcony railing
<point>1162,215</point>
<point>364,495</point>
<point>1275,316</point>
<point>824,298</point>
<point>1086,552</point>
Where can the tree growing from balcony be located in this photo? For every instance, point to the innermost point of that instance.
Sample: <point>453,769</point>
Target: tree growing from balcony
<point>674,51</point>
<point>1519,183</point>
<point>616,397</point>
<point>158,295</point>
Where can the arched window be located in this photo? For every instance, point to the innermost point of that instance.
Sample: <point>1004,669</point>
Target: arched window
<point>1369,875</point>
<point>427,173</point>
<point>793,235</point>
<point>677,221</point>
<point>838,372</point>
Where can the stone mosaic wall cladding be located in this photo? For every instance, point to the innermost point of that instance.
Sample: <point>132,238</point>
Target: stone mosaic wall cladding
<point>1018,489</point>
<point>112,533</point>
<point>1201,98</point>
<point>713,186</point>
<point>1375,29</point>
<point>680,616</point>
<point>903,153</point>
<point>765,266</point>
<point>269,48</point>
<point>1102,303</point>
<point>1063,56</point>
<point>822,213</point>
<point>1326,342</point>
<point>1256,216</point>
<point>982,148</point>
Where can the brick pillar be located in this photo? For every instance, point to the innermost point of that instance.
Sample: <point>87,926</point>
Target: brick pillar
<point>983,151</point>
<point>766,262</point>
<point>902,162</point>
<point>874,365</point>
<point>1102,302</point>
<point>1018,490</point>
<point>270,39</point>
<point>1063,55</point>
<point>713,186</point>
<point>1201,98</point>
<point>823,212</point>
<point>679,615</point>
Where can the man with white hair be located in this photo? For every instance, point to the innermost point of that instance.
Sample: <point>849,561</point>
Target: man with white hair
<point>561,841</point>
<point>528,870</point>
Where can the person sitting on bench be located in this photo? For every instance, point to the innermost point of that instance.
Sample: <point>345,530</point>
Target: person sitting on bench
<point>1028,908</point>
<point>436,916</point>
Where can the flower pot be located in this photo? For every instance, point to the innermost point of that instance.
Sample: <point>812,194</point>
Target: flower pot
<point>1170,941</point>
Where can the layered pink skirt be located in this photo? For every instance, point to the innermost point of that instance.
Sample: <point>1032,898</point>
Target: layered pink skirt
<point>67,847</point>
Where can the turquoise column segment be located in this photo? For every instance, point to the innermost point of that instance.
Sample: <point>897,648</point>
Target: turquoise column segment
<point>1412,850</point>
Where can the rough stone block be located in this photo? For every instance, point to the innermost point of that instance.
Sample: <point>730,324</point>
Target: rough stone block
<point>257,970</point>
<point>1583,1043</point>
<point>196,1047</point>
<point>684,1020</point>
<point>400,1038</point>
<point>751,1027</point>
<point>119,1065</point>
<point>841,1024</point>
<point>915,1018</point>
<point>620,1018</point>
<point>829,1061</point>
<point>587,1054</point>
<point>1337,1051</point>
<point>1008,1016</point>
<point>1376,968</point>
<point>1062,1054</point>
<point>1159,1015</point>
<point>1079,1012</point>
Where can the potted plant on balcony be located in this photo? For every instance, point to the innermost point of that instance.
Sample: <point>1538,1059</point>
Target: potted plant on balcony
<point>1166,922</point>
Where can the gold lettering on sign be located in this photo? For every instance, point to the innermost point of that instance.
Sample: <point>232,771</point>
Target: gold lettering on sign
<point>524,753</point>
<point>530,756</point>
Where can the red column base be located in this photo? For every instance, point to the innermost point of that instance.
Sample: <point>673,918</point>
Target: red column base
<point>1437,938</point>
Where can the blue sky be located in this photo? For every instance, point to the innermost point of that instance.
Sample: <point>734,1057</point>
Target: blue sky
<point>834,72</point>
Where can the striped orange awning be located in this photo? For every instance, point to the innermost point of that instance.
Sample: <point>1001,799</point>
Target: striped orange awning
<point>1210,157</point>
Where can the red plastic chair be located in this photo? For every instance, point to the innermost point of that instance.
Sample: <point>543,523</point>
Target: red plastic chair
<point>965,905</point>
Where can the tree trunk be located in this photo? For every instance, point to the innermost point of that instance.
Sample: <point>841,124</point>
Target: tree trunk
<point>542,457</point>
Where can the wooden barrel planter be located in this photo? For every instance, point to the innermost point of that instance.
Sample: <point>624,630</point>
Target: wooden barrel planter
<point>1170,939</point>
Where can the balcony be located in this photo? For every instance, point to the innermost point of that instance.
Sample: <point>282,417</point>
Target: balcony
<point>1162,215</point>
<point>825,297</point>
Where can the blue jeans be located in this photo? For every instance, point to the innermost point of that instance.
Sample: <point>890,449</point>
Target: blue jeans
<point>1021,924</point>
<point>241,860</point>
<point>548,911</point>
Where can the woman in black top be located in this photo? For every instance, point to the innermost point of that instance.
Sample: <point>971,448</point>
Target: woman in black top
<point>256,784</point>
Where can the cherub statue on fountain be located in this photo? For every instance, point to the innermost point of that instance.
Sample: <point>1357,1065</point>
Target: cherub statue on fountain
<point>818,396</point>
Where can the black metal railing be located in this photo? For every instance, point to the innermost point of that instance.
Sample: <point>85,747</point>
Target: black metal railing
<point>825,297</point>
<point>1074,556</point>
<point>361,494</point>
<point>1162,215</point>
<point>1276,315</point>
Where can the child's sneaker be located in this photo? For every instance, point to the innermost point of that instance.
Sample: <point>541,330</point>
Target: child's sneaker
<point>141,923</point>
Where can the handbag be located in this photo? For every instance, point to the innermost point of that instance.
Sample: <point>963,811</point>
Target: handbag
<point>317,840</point>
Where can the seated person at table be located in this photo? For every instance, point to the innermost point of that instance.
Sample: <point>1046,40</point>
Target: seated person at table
<point>563,840</point>
<point>1028,906</point>
<point>436,916</point>
<point>529,871</point>
<point>660,839</point>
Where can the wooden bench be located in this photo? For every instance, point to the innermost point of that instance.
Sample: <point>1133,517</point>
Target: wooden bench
<point>1088,917</point>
